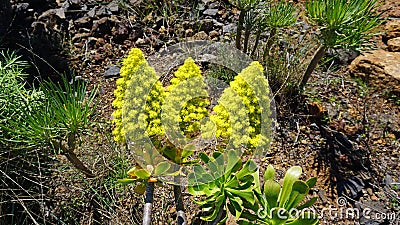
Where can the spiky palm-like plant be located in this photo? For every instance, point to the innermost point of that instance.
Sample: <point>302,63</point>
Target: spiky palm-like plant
<point>342,24</point>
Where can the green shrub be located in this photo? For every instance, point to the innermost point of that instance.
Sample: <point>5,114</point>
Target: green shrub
<point>14,97</point>
<point>282,204</point>
<point>226,184</point>
<point>342,24</point>
<point>64,114</point>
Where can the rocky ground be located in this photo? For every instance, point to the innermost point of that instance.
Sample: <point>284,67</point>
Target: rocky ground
<point>345,128</point>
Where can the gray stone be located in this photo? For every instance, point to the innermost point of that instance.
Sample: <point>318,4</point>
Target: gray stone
<point>230,28</point>
<point>113,7</point>
<point>60,12</point>
<point>75,2</point>
<point>210,12</point>
<point>388,180</point>
<point>201,7</point>
<point>92,12</point>
<point>207,1</point>
<point>217,24</point>
<point>213,5</point>
<point>112,71</point>
<point>21,7</point>
<point>103,11</point>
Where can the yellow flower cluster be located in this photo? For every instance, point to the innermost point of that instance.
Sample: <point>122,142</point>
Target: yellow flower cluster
<point>130,66</point>
<point>140,98</point>
<point>238,113</point>
<point>188,92</point>
<point>142,109</point>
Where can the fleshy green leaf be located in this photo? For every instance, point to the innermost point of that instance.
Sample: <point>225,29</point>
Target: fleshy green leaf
<point>142,173</point>
<point>271,193</point>
<point>308,203</point>
<point>279,216</point>
<point>291,176</point>
<point>140,188</point>
<point>204,157</point>
<point>298,193</point>
<point>311,182</point>
<point>247,195</point>
<point>197,190</point>
<point>161,168</point>
<point>248,168</point>
<point>233,159</point>
<point>269,173</point>
<point>188,151</point>
<point>127,181</point>
<point>219,202</point>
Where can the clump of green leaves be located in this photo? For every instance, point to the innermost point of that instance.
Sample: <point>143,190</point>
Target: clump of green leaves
<point>342,24</point>
<point>283,204</point>
<point>64,114</point>
<point>226,183</point>
<point>14,97</point>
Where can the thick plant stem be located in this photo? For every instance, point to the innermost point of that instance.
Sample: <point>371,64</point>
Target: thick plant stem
<point>148,203</point>
<point>246,37</point>
<point>269,43</point>
<point>239,29</point>
<point>71,156</point>
<point>218,218</point>
<point>255,44</point>
<point>68,151</point>
<point>180,210</point>
<point>313,64</point>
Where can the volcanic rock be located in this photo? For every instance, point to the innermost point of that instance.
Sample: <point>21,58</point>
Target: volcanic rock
<point>380,68</point>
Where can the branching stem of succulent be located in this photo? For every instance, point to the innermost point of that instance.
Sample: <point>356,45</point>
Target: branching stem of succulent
<point>313,64</point>
<point>68,151</point>
<point>255,44</point>
<point>148,203</point>
<point>180,210</point>
<point>218,218</point>
<point>269,43</point>
<point>240,29</point>
<point>71,156</point>
<point>246,36</point>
